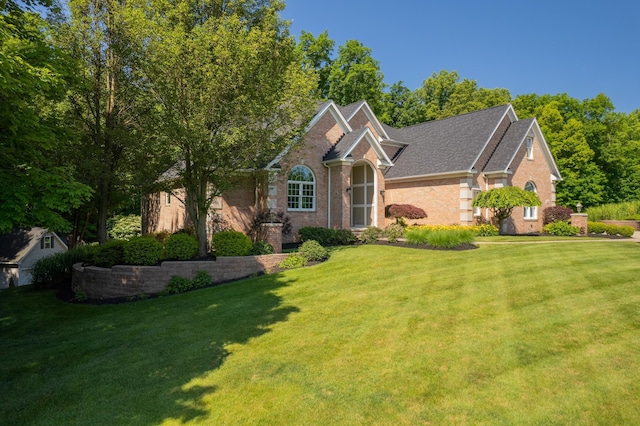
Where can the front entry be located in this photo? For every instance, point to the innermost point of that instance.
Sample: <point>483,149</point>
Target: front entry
<point>362,196</point>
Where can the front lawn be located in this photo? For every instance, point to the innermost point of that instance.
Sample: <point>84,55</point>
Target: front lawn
<point>505,334</point>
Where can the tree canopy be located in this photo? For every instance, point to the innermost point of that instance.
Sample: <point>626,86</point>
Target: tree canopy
<point>502,201</point>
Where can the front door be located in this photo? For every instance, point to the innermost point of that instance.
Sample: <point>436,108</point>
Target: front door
<point>362,196</point>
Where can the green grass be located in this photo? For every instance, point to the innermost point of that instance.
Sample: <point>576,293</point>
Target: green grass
<point>505,334</point>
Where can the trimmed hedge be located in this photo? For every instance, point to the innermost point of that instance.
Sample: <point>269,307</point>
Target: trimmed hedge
<point>327,236</point>
<point>602,228</point>
<point>181,247</point>
<point>561,228</point>
<point>313,251</point>
<point>231,243</point>
<point>144,251</point>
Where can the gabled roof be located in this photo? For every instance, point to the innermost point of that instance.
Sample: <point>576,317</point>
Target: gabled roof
<point>16,245</point>
<point>451,145</point>
<point>349,111</point>
<point>509,146</point>
<point>343,148</point>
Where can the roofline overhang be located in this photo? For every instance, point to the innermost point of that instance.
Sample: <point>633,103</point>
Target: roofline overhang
<point>513,117</point>
<point>394,143</point>
<point>338,162</point>
<point>497,174</point>
<point>431,176</point>
<point>372,118</point>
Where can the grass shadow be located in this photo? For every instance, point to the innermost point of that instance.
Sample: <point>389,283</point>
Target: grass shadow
<point>140,363</point>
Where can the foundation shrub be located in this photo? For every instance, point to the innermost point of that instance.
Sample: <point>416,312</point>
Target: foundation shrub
<point>556,213</point>
<point>324,236</point>
<point>485,230</point>
<point>561,228</point>
<point>231,243</point>
<point>394,232</point>
<point>108,254</point>
<point>624,231</point>
<point>400,212</point>
<point>181,247</point>
<point>371,235</point>
<point>261,247</point>
<point>313,251</point>
<point>344,237</point>
<point>327,236</point>
<point>293,261</point>
<point>144,251</point>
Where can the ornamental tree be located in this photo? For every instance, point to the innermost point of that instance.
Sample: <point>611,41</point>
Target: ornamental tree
<point>404,211</point>
<point>502,201</point>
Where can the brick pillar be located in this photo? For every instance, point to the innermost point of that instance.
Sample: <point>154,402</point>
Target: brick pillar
<point>580,220</point>
<point>273,232</point>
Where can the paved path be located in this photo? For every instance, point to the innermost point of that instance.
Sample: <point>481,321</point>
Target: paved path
<point>634,239</point>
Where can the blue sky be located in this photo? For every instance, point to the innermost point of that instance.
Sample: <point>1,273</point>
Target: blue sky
<point>581,48</point>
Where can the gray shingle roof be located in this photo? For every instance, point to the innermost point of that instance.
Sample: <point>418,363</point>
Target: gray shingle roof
<point>343,144</point>
<point>447,145</point>
<point>15,245</point>
<point>508,147</point>
<point>348,110</point>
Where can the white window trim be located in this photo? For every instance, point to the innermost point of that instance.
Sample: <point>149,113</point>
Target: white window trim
<point>531,212</point>
<point>529,145</point>
<point>300,191</point>
<point>48,242</point>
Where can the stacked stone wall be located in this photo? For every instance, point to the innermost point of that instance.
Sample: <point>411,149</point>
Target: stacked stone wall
<point>126,281</point>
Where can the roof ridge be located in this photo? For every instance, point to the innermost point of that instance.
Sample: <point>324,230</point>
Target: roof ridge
<point>453,116</point>
<point>493,151</point>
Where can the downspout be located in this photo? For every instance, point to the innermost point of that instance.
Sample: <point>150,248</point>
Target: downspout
<point>328,196</point>
<point>486,188</point>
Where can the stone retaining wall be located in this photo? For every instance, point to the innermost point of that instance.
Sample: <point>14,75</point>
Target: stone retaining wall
<point>125,281</point>
<point>634,223</point>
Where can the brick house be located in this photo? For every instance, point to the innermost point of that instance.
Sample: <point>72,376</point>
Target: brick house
<point>351,166</point>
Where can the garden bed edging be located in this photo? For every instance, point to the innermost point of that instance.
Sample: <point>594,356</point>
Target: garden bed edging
<point>127,280</point>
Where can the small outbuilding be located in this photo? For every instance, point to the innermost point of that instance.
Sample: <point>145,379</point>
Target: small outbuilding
<point>20,249</point>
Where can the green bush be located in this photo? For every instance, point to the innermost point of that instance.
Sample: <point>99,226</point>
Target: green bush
<point>124,227</point>
<point>344,237</point>
<point>618,211</point>
<point>181,247</point>
<point>561,228</point>
<point>486,230</point>
<point>394,232</point>
<point>55,270</point>
<point>178,284</point>
<point>313,251</point>
<point>327,236</point>
<point>142,251</point>
<point>202,279</point>
<point>261,247</point>
<point>450,238</point>
<point>231,243</point>
<point>293,261</point>
<point>446,238</point>
<point>626,231</point>
<point>324,236</point>
<point>371,235</point>
<point>108,254</point>
<point>596,227</point>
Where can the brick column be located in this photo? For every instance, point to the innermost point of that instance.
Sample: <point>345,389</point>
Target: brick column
<point>273,232</point>
<point>580,220</point>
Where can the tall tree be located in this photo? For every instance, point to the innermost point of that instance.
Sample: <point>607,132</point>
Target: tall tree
<point>231,91</point>
<point>401,107</point>
<point>317,52</point>
<point>35,189</point>
<point>444,95</point>
<point>109,104</point>
<point>356,76</point>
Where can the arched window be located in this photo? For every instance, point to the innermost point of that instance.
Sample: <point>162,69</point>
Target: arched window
<point>301,189</point>
<point>530,212</point>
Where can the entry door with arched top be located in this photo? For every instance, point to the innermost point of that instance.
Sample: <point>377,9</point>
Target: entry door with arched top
<point>362,196</point>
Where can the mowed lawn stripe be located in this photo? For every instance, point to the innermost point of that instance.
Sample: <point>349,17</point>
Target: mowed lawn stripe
<point>540,333</point>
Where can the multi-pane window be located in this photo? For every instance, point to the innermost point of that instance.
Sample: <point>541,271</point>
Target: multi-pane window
<point>530,212</point>
<point>301,189</point>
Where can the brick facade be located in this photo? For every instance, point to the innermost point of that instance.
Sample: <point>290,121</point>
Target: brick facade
<point>446,198</point>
